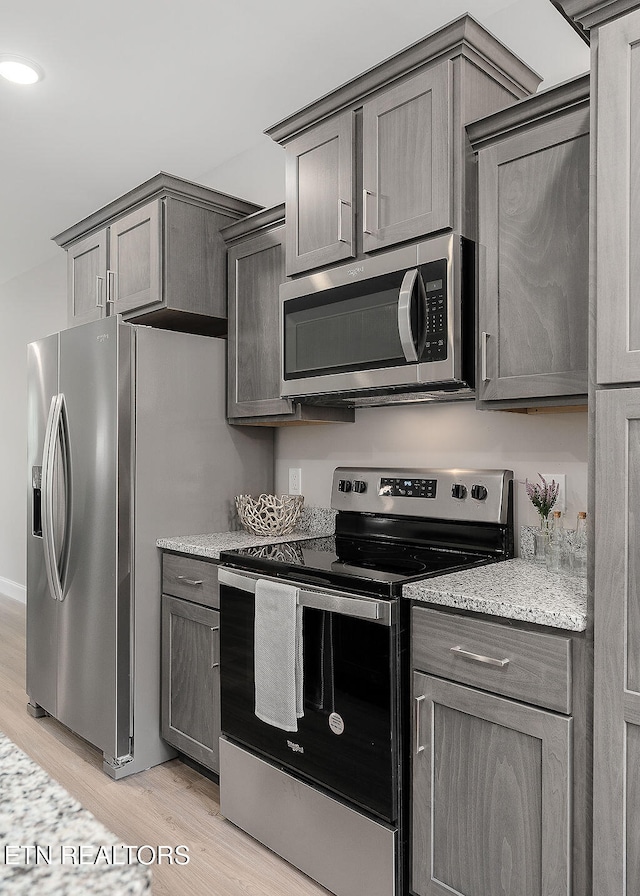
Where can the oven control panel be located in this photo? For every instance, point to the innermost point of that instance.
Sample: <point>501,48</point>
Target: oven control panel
<point>407,488</point>
<point>480,495</point>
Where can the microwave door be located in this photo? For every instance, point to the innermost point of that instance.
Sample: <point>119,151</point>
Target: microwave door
<point>367,334</point>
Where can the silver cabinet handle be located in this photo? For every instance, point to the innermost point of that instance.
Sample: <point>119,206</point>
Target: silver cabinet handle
<point>365,193</point>
<point>111,287</point>
<point>478,658</point>
<point>418,721</point>
<point>341,237</point>
<point>483,356</point>
<point>191,581</point>
<point>99,282</point>
<point>215,662</point>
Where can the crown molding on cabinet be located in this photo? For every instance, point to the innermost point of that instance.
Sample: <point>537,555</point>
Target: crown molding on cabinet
<point>530,111</point>
<point>591,13</point>
<point>161,184</point>
<point>464,36</point>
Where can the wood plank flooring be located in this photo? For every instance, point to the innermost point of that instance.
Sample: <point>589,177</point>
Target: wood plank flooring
<point>169,805</point>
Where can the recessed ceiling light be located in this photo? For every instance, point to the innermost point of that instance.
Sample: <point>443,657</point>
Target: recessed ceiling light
<point>19,70</point>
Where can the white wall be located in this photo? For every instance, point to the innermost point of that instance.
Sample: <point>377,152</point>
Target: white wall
<point>31,306</point>
<point>442,435</point>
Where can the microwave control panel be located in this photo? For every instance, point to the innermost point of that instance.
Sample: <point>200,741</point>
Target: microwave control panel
<point>434,277</point>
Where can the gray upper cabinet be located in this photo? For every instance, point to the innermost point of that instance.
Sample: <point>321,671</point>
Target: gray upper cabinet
<point>384,158</point>
<point>154,255</point>
<point>134,277</point>
<point>533,234</point>
<point>406,160</point>
<point>87,278</point>
<point>256,268</point>
<point>320,183</point>
<point>618,201</point>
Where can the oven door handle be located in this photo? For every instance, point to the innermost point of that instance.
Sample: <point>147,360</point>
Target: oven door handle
<point>366,608</point>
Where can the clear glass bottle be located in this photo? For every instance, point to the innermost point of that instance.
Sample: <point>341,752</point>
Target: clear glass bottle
<point>556,549</point>
<point>580,546</point>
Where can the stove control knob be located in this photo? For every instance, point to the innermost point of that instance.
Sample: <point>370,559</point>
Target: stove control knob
<point>360,486</point>
<point>344,485</point>
<point>458,490</point>
<point>479,492</point>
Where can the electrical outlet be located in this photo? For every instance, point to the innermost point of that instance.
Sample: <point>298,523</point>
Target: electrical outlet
<point>561,500</point>
<point>295,481</point>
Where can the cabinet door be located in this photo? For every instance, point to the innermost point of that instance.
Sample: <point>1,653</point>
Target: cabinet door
<point>86,279</point>
<point>491,794</point>
<point>618,201</point>
<point>135,243</point>
<point>616,784</point>
<point>191,679</point>
<point>407,154</point>
<point>319,195</point>
<point>256,270</point>
<point>534,262</point>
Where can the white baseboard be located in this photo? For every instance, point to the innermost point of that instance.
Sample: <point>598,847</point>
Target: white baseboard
<point>13,590</point>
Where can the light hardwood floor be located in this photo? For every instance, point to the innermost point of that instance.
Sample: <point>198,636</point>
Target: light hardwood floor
<point>169,805</point>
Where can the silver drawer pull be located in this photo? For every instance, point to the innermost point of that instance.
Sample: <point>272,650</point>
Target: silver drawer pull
<point>487,660</point>
<point>191,581</point>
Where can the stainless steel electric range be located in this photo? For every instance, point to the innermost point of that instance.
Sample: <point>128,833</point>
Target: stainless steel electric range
<point>323,781</point>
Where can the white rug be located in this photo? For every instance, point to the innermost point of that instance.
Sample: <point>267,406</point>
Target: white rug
<point>49,844</point>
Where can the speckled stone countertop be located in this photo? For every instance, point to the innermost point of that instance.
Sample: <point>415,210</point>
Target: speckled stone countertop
<point>313,522</point>
<point>49,844</point>
<point>513,589</point>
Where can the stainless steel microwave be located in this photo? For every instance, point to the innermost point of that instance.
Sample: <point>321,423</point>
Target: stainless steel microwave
<point>395,327</point>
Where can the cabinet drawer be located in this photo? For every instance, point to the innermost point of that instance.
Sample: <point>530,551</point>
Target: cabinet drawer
<point>195,580</point>
<point>534,667</point>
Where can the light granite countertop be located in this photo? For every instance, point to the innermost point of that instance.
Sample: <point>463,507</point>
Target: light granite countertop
<point>513,589</point>
<point>314,522</point>
<point>50,845</point>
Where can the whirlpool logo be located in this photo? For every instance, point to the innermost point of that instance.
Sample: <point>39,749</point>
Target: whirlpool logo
<point>295,747</point>
<point>353,272</point>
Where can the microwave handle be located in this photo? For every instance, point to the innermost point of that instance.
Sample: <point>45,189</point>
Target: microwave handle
<point>411,284</point>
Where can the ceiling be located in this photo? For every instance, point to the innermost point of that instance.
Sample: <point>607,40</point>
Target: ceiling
<point>133,87</point>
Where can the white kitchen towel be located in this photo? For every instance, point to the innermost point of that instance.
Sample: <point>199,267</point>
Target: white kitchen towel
<point>278,655</point>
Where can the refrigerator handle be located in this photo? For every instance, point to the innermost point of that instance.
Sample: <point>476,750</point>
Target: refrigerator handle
<point>56,424</point>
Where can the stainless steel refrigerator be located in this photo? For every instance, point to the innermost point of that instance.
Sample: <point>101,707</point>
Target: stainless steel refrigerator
<point>127,442</point>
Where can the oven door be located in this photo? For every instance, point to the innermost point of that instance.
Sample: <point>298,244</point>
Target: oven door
<point>347,739</point>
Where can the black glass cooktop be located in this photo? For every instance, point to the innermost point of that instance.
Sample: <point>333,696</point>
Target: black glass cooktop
<point>351,563</point>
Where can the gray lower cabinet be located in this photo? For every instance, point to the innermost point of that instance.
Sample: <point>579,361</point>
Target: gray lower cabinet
<point>155,255</point>
<point>533,234</point>
<point>497,806</point>
<point>256,268</point>
<point>190,681</point>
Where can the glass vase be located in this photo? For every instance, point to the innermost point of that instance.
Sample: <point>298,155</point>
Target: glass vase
<point>541,540</point>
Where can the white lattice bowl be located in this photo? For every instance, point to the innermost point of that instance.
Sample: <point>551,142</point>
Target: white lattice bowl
<point>269,514</point>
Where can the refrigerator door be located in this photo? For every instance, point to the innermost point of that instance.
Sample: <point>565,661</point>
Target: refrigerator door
<point>42,608</point>
<point>94,625</point>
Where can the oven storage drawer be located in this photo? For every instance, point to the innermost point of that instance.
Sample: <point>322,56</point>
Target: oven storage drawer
<point>534,667</point>
<point>191,579</point>
<point>338,847</point>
